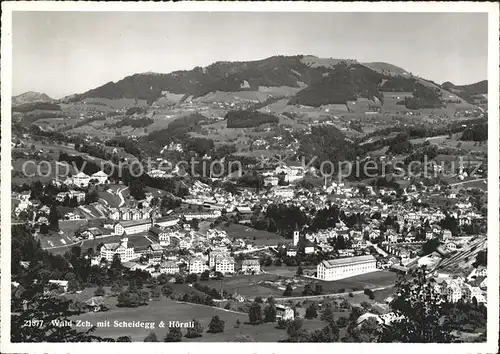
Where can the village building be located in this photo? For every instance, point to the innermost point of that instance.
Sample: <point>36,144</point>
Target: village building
<point>81,179</point>
<point>100,176</point>
<point>132,227</point>
<point>160,235</point>
<point>250,266</point>
<point>122,248</point>
<point>169,267</point>
<point>154,252</point>
<point>346,267</point>
<point>284,313</point>
<point>197,265</point>
<point>224,264</point>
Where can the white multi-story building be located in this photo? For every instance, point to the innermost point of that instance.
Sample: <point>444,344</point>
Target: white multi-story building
<point>214,255</point>
<point>224,265</point>
<point>250,265</point>
<point>81,179</point>
<point>132,227</point>
<point>197,265</point>
<point>121,248</point>
<point>346,267</point>
<point>169,267</point>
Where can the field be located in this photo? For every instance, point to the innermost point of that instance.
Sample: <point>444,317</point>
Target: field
<point>260,238</point>
<point>169,310</point>
<point>246,285</point>
<point>359,282</point>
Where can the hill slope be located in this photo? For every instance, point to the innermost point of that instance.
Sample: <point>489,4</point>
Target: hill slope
<point>30,97</point>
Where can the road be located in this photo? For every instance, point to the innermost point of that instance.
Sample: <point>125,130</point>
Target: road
<point>119,193</point>
<point>379,250</point>
<point>469,181</point>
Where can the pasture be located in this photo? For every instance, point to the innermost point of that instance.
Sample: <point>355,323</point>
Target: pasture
<point>246,285</point>
<point>168,310</point>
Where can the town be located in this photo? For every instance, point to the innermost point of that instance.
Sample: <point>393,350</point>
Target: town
<point>288,198</point>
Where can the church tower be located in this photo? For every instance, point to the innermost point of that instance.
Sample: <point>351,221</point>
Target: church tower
<point>295,237</point>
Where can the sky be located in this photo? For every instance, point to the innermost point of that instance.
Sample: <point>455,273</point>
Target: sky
<point>62,53</point>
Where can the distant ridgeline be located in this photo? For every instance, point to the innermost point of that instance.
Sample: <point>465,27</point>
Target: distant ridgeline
<point>334,84</point>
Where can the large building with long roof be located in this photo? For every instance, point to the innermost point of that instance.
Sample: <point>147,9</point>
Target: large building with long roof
<point>346,267</point>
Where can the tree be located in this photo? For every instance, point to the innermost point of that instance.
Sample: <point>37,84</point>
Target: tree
<point>270,313</point>
<point>295,331</point>
<point>328,334</point>
<point>307,290</point>
<point>99,291</point>
<point>255,313</point>
<point>28,302</point>
<point>124,339</point>
<point>422,312</point>
<point>116,263</point>
<point>237,324</point>
<point>116,288</point>
<point>196,331</point>
<point>73,285</point>
<point>319,289</point>
<point>311,312</point>
<point>327,315</point>
<point>44,229</point>
<point>216,325</point>
<point>258,299</point>
<point>205,275</point>
<point>191,278</point>
<point>179,279</point>
<point>156,292</point>
<point>53,218</point>
<point>341,322</point>
<point>166,290</point>
<point>300,271</point>
<point>151,337</point>
<point>288,291</point>
<point>174,335</point>
<point>144,297</point>
<point>368,332</point>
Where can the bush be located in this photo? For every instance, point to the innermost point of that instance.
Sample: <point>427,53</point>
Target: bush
<point>351,294</point>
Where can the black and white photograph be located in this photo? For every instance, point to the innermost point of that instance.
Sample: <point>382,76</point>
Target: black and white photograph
<point>199,173</point>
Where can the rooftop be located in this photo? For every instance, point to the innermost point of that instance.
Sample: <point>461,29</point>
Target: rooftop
<point>349,260</point>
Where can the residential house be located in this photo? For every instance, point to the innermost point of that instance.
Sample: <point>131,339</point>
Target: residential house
<point>169,267</point>
<point>160,235</point>
<point>224,264</point>
<point>213,255</point>
<point>250,266</point>
<point>81,179</point>
<point>197,265</point>
<point>284,312</point>
<point>100,176</point>
<point>154,253</point>
<point>62,284</point>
